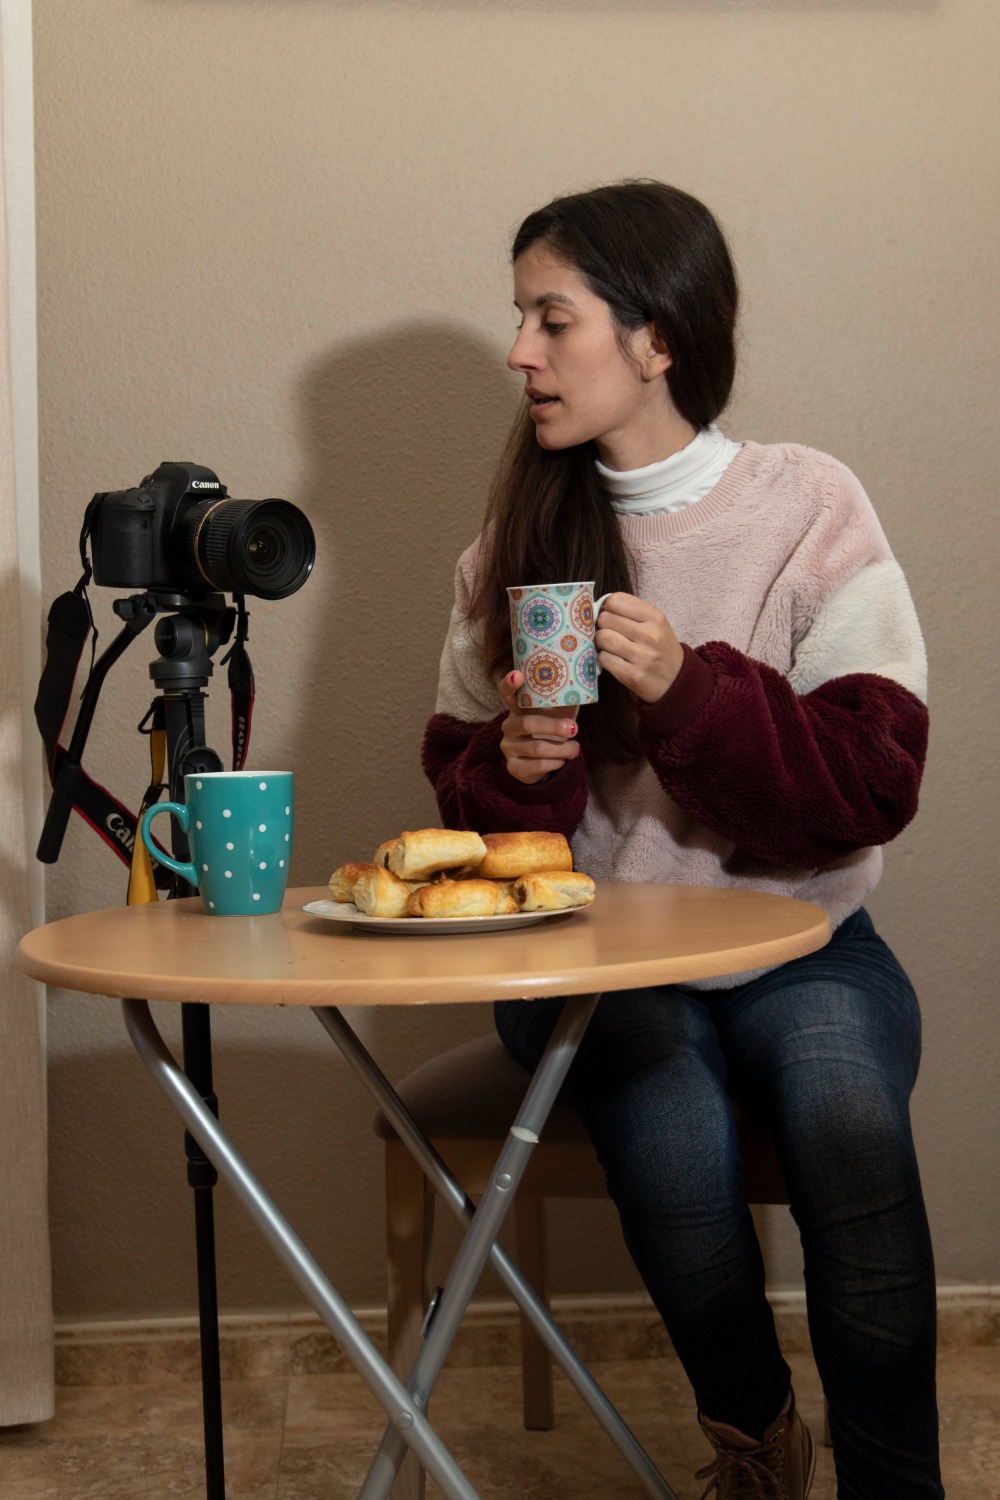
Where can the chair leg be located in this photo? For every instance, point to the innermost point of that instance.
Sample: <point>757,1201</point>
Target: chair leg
<point>536,1361</point>
<point>409,1230</point>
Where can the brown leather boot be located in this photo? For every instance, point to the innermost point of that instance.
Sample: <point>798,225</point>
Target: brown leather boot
<point>779,1467</point>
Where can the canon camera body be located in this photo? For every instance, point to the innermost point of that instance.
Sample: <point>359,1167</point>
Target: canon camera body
<point>180,532</point>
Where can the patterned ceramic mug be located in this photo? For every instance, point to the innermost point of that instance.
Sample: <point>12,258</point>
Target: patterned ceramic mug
<point>239,826</point>
<point>552,633</point>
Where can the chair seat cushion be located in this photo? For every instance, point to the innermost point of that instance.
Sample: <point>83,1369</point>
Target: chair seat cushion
<point>473,1091</point>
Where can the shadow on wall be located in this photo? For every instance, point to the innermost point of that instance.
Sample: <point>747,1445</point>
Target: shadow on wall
<point>402,433</point>
<point>123,1212</point>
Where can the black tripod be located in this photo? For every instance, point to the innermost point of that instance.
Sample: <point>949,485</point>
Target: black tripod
<point>186,642</point>
<point>186,639</point>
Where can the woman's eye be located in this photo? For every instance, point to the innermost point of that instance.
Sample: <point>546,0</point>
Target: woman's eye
<point>554,327</point>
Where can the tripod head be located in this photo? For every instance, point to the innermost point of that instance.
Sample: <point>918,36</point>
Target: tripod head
<point>186,639</point>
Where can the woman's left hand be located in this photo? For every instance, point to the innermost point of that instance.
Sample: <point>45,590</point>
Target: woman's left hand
<point>636,643</point>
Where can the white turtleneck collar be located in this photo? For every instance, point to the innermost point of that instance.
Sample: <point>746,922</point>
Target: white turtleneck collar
<point>674,482</point>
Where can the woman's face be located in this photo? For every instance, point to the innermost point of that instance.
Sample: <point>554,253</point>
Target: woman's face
<point>579,384</point>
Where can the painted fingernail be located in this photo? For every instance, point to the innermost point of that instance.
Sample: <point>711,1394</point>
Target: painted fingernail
<point>572,728</point>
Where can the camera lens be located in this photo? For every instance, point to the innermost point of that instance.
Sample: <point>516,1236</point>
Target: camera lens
<point>266,548</point>
<point>260,547</point>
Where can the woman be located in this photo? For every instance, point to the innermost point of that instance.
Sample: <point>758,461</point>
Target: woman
<point>761,724</point>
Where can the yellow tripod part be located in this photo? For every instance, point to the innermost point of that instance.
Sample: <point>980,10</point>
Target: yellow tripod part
<point>141,885</point>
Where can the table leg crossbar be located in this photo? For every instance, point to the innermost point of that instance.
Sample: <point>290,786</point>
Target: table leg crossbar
<point>480,1244</point>
<point>405,1405</point>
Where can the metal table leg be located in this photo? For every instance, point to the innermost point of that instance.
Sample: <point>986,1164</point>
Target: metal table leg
<point>480,1244</point>
<point>400,1407</point>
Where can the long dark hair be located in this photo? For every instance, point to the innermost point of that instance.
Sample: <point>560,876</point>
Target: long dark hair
<point>655,255</point>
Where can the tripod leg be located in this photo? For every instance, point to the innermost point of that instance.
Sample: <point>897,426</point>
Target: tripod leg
<point>202,1177</point>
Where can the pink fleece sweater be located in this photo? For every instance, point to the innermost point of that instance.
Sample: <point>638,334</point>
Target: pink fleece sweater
<point>792,742</point>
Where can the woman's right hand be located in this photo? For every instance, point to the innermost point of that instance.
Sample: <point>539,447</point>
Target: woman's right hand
<point>530,759</point>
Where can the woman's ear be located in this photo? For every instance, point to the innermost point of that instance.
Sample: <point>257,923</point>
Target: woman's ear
<point>652,352</point>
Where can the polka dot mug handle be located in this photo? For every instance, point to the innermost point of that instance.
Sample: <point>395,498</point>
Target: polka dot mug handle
<point>180,812</point>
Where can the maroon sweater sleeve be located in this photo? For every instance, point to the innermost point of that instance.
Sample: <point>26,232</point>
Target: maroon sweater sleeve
<point>474,789</point>
<point>796,781</point>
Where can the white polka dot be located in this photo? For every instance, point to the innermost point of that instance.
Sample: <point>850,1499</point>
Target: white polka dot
<point>229,874</point>
<point>262,828</point>
<point>263,786</point>
<point>287,811</point>
<point>198,785</point>
<point>256,897</point>
<point>286,838</point>
<point>281,864</point>
<point>197,825</point>
<point>227,812</point>
<point>211,906</point>
<point>204,867</point>
<point>230,846</point>
<point>263,866</point>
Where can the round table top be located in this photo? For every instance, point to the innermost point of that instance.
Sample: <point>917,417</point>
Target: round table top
<point>632,935</point>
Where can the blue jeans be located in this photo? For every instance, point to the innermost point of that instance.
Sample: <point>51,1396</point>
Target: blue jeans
<point>824,1050</point>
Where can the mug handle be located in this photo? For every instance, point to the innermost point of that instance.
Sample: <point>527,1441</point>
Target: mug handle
<point>180,812</point>
<point>598,606</point>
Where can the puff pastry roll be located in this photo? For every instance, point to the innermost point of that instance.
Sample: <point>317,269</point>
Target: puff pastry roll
<point>381,855</point>
<point>553,890</point>
<point>343,879</point>
<point>379,893</point>
<point>419,854</point>
<point>509,855</point>
<point>462,898</point>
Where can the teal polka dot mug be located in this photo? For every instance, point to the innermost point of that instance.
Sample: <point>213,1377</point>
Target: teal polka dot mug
<point>239,828</point>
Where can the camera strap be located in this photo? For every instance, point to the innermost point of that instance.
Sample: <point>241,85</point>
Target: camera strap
<point>241,684</point>
<point>70,623</point>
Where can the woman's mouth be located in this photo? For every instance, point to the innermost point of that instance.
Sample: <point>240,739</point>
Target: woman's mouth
<point>539,402</point>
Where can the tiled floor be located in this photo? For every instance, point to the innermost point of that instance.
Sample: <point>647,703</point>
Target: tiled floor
<point>310,1437</point>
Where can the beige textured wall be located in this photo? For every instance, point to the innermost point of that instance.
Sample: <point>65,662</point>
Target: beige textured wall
<point>272,238</point>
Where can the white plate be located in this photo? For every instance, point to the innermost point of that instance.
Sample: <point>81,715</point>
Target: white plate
<point>346,911</point>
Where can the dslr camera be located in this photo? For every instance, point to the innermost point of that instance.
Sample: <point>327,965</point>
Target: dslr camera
<point>179,532</point>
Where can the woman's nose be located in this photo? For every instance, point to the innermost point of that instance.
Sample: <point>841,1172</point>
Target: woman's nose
<point>523,352</point>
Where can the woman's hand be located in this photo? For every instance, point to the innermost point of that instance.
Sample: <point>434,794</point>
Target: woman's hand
<point>637,644</point>
<point>529,759</point>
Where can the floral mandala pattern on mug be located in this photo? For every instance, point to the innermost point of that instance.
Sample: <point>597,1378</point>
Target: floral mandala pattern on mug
<point>541,618</point>
<point>545,673</point>
<point>586,669</point>
<point>552,628</point>
<point>583,614</point>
